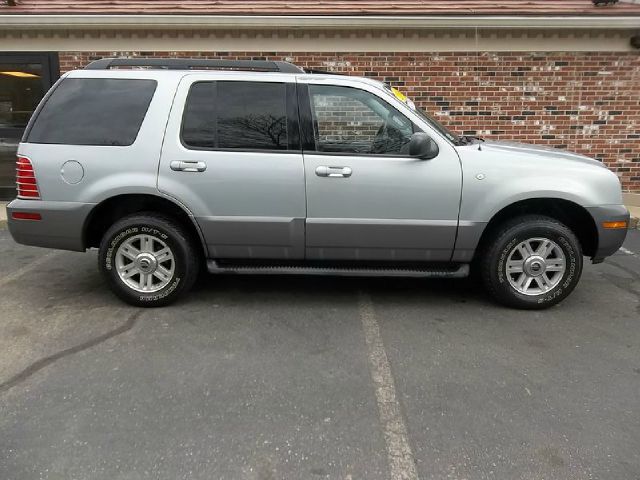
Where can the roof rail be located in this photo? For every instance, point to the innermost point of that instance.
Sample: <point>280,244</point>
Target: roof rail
<point>195,63</point>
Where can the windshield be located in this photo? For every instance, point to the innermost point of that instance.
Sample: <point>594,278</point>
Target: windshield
<point>437,125</point>
<point>425,116</point>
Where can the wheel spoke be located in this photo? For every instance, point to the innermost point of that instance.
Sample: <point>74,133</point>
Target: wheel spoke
<point>545,248</point>
<point>521,279</point>
<point>129,251</point>
<point>525,249</point>
<point>143,281</point>
<point>163,255</point>
<point>515,266</point>
<point>527,284</point>
<point>163,273</point>
<point>543,282</point>
<point>555,265</point>
<point>146,243</point>
<point>128,270</point>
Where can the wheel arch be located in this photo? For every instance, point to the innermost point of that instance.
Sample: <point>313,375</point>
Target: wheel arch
<point>108,211</point>
<point>573,215</point>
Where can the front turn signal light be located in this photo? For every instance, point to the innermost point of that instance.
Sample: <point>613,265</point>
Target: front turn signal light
<point>611,225</point>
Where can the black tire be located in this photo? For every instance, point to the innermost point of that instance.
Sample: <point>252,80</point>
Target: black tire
<point>186,258</point>
<point>506,238</point>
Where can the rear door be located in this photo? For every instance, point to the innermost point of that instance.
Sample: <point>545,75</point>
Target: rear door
<point>232,155</point>
<point>367,199</point>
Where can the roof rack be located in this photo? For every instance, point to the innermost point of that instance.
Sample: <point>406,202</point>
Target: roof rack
<point>197,63</point>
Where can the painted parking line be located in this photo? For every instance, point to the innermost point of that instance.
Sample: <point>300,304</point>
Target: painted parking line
<point>402,465</point>
<point>628,252</point>
<point>28,268</point>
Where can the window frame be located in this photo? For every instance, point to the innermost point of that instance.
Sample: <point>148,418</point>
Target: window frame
<point>306,124</point>
<point>291,110</point>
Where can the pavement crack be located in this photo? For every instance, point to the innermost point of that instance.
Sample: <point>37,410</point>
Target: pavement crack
<point>46,361</point>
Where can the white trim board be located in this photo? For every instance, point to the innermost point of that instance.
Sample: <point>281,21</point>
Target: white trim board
<point>319,21</point>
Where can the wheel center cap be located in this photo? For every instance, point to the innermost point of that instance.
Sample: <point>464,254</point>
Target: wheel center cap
<point>535,266</point>
<point>146,263</point>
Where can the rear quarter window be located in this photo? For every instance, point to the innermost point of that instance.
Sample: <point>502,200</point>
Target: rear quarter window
<point>93,111</point>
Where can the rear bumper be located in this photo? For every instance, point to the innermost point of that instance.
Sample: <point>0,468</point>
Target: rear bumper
<point>61,226</point>
<point>609,240</point>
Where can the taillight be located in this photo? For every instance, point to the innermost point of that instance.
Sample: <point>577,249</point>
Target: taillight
<point>26,179</point>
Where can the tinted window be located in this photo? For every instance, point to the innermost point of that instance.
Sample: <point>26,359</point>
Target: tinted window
<point>230,115</point>
<point>93,111</point>
<point>348,120</point>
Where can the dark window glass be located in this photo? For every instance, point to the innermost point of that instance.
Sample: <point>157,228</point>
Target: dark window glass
<point>93,111</point>
<point>199,121</point>
<point>349,120</point>
<point>242,115</point>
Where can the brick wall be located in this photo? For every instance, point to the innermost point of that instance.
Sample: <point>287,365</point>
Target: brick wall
<point>584,102</point>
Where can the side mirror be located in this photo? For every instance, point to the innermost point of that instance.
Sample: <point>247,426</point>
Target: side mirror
<point>422,146</point>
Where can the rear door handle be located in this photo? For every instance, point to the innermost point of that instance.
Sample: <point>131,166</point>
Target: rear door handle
<point>188,166</point>
<point>325,171</point>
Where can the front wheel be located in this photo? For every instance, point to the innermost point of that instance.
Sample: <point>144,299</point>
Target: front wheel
<point>531,262</point>
<point>148,260</point>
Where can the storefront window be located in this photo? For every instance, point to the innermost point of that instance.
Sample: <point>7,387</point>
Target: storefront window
<point>21,88</point>
<point>24,79</point>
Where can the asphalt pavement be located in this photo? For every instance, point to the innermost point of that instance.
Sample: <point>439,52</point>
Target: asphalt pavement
<point>306,377</point>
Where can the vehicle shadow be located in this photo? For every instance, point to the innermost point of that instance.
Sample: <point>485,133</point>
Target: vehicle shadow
<point>333,288</point>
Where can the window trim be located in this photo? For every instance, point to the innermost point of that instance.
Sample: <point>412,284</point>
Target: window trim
<point>306,125</point>
<point>291,110</point>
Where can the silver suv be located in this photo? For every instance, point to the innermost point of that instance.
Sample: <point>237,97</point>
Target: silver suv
<point>168,165</point>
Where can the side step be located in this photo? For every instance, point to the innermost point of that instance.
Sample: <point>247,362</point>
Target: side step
<point>455,271</point>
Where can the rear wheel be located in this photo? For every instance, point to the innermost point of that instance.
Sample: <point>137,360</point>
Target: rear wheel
<point>531,262</point>
<point>148,260</point>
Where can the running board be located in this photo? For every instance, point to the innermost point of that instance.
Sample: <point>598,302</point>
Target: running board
<point>457,271</point>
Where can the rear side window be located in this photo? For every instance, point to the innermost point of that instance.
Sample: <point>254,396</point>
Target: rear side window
<point>236,115</point>
<point>93,111</point>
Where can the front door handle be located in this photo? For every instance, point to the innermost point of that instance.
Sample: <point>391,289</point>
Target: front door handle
<point>325,171</point>
<point>188,166</point>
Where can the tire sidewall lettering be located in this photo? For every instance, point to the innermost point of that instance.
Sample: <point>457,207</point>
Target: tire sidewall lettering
<point>503,258</point>
<point>115,242</point>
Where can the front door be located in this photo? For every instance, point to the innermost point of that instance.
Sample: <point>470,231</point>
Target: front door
<point>367,199</point>
<point>231,154</point>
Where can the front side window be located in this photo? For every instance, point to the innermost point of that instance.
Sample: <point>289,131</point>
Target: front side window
<point>348,120</point>
<point>93,111</point>
<point>236,115</point>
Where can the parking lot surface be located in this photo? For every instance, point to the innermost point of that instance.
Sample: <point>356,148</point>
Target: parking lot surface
<point>304,378</point>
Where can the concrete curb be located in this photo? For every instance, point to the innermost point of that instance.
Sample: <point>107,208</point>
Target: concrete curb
<point>634,221</point>
<point>632,201</point>
<point>3,215</point>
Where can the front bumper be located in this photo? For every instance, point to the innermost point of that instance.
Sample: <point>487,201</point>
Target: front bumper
<point>61,226</point>
<point>609,240</point>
